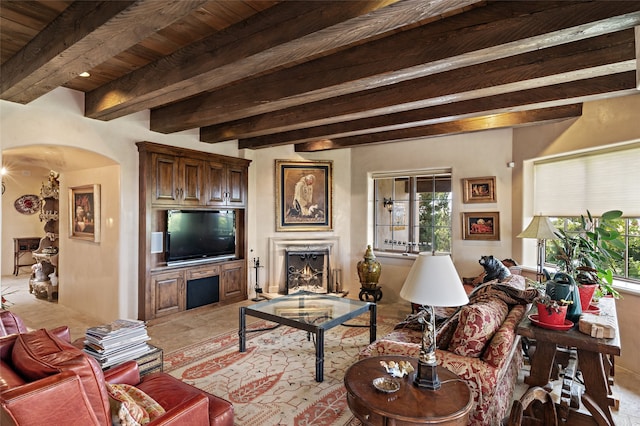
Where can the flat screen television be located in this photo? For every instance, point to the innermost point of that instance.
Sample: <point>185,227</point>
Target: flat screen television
<point>199,234</point>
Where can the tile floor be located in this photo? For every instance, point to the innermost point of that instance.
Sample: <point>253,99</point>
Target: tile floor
<point>194,326</point>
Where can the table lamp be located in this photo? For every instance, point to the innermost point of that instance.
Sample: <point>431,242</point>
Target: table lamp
<point>432,281</point>
<point>541,229</point>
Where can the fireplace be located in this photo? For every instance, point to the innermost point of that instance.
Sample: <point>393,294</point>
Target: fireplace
<point>307,270</point>
<point>281,247</point>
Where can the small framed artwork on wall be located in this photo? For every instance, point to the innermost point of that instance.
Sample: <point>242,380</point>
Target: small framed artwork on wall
<point>479,190</point>
<point>481,226</point>
<point>84,213</point>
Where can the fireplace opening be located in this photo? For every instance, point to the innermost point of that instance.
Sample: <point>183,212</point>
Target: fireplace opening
<point>307,269</point>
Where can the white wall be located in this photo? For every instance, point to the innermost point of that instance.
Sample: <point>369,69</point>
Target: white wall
<point>94,265</point>
<point>57,119</point>
<point>471,155</point>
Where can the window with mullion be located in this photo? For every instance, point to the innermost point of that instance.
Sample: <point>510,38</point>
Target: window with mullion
<point>413,213</point>
<point>629,228</point>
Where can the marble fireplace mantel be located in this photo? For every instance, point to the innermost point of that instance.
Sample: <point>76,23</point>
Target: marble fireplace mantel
<point>277,257</point>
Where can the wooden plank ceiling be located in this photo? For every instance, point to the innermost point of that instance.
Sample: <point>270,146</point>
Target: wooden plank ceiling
<point>322,74</point>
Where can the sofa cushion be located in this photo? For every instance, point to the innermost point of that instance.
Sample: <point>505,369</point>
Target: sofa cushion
<point>171,392</point>
<point>8,377</point>
<point>130,406</point>
<point>39,354</point>
<point>476,326</point>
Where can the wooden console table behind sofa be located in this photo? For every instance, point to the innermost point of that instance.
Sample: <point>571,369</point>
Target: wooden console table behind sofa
<point>593,359</point>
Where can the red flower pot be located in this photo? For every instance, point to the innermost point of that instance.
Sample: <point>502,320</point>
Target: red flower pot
<point>553,317</point>
<point>586,294</point>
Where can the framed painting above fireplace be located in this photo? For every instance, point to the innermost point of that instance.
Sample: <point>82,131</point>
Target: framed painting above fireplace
<point>304,194</point>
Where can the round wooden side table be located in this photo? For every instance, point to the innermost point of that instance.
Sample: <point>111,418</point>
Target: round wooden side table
<point>410,405</point>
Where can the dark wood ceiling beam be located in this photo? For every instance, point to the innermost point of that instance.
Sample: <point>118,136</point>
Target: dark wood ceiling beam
<point>277,37</point>
<point>605,54</point>
<point>543,97</point>
<point>101,29</point>
<point>494,121</point>
<point>426,50</point>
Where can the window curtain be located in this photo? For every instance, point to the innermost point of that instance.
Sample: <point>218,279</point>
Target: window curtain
<point>595,181</point>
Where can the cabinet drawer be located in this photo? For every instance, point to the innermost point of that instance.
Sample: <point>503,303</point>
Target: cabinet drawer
<point>203,272</point>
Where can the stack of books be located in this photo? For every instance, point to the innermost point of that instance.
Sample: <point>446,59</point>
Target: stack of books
<point>120,341</point>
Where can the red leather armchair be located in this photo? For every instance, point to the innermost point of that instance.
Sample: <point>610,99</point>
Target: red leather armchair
<point>45,380</point>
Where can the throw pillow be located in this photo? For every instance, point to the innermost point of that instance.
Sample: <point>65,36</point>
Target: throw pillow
<point>477,325</point>
<point>130,406</point>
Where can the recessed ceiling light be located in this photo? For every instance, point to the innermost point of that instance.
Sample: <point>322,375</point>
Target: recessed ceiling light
<point>84,74</point>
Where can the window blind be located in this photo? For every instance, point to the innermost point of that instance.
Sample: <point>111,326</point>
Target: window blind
<point>598,182</point>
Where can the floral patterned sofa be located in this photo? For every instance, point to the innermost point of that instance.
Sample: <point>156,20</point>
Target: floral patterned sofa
<point>478,343</point>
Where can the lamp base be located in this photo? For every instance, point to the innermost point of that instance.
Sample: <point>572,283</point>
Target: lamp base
<point>427,376</point>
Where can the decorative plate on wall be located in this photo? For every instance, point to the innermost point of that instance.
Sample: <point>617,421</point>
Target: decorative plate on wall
<point>28,204</point>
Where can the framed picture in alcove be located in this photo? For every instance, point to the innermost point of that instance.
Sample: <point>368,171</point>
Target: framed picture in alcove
<point>84,213</point>
<point>304,195</point>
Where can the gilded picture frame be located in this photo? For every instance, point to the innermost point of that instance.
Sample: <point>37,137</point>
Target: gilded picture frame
<point>479,190</point>
<point>304,195</point>
<point>84,213</point>
<point>481,226</point>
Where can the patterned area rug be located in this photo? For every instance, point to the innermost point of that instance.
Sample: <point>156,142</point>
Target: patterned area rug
<point>273,382</point>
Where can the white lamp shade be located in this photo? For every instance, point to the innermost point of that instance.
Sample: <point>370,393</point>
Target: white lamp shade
<point>540,228</point>
<point>433,280</point>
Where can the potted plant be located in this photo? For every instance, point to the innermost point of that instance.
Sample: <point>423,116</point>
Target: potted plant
<point>551,311</point>
<point>589,255</point>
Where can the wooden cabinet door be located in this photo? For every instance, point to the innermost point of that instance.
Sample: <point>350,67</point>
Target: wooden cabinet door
<point>236,186</point>
<point>176,181</point>
<point>227,185</point>
<point>232,281</point>
<point>169,293</point>
<point>165,183</point>
<point>216,187</point>
<point>192,181</point>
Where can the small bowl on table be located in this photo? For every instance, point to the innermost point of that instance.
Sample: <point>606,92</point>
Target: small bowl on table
<point>386,384</point>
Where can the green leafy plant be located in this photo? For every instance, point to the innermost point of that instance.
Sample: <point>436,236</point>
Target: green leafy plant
<point>590,254</point>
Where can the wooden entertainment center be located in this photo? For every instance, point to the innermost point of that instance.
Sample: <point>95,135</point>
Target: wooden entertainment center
<point>177,178</point>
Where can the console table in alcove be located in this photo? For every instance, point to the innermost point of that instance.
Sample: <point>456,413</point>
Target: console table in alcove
<point>22,246</point>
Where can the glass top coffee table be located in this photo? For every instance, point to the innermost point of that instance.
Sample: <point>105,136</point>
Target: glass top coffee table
<point>311,312</point>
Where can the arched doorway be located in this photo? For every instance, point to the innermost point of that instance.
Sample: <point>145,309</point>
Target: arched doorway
<point>27,168</point>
